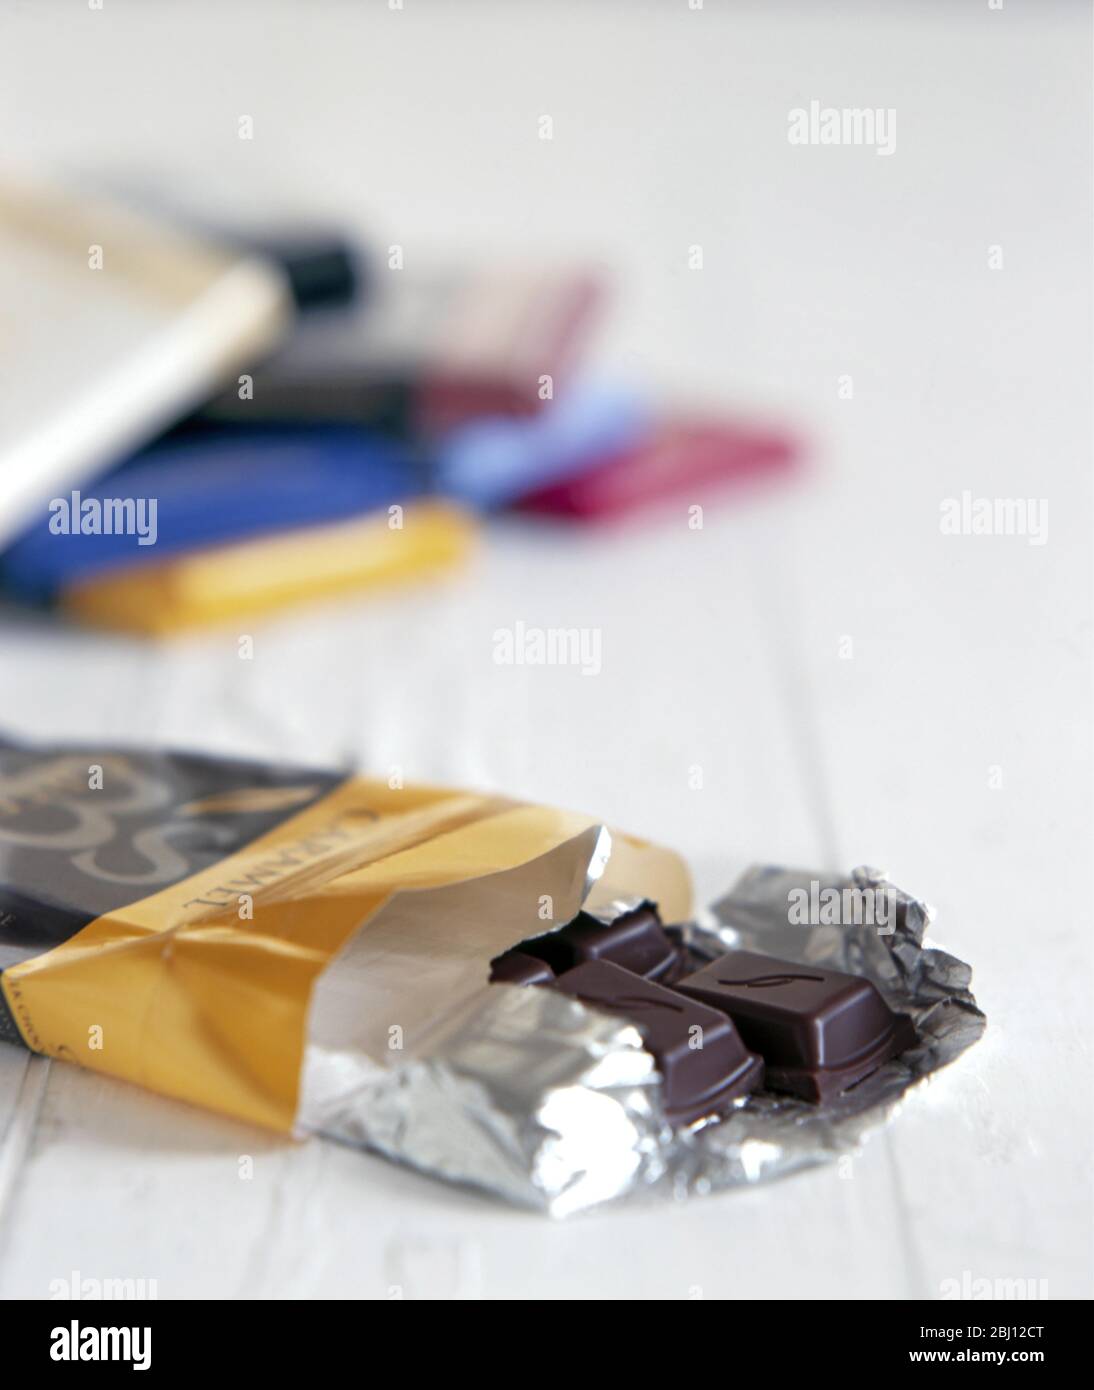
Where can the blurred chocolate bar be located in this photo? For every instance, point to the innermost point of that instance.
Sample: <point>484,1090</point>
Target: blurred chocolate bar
<point>322,267</point>
<point>427,353</point>
<point>205,487</point>
<point>681,458</point>
<point>264,574</point>
<point>321,264</point>
<point>136,347</point>
<point>489,463</point>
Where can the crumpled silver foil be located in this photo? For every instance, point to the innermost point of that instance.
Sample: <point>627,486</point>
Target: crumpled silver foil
<point>543,1101</point>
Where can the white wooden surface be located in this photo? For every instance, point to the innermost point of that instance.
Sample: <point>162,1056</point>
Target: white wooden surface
<point>721,647</point>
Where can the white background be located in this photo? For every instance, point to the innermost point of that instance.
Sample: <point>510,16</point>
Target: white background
<point>721,647</point>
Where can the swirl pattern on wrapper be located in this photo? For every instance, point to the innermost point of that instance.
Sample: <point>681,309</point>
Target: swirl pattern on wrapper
<point>546,1103</point>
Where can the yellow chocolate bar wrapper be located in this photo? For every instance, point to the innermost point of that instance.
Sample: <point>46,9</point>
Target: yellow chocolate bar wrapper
<point>225,583</point>
<point>169,918</point>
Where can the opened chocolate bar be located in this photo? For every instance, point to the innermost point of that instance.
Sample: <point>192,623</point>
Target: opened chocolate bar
<point>312,953</point>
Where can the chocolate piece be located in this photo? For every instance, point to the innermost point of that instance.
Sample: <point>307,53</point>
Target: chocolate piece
<point>515,968</point>
<point>636,941</point>
<point>702,1072</point>
<point>818,1031</point>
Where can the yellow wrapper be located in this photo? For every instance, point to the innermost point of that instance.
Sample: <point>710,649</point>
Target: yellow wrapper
<point>225,583</point>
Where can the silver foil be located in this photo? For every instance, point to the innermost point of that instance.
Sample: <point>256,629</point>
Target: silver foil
<point>545,1102</point>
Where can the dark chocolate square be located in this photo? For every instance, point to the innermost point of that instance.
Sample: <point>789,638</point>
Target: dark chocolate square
<point>515,968</point>
<point>819,1031</point>
<point>704,1065</point>
<point>636,941</point>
